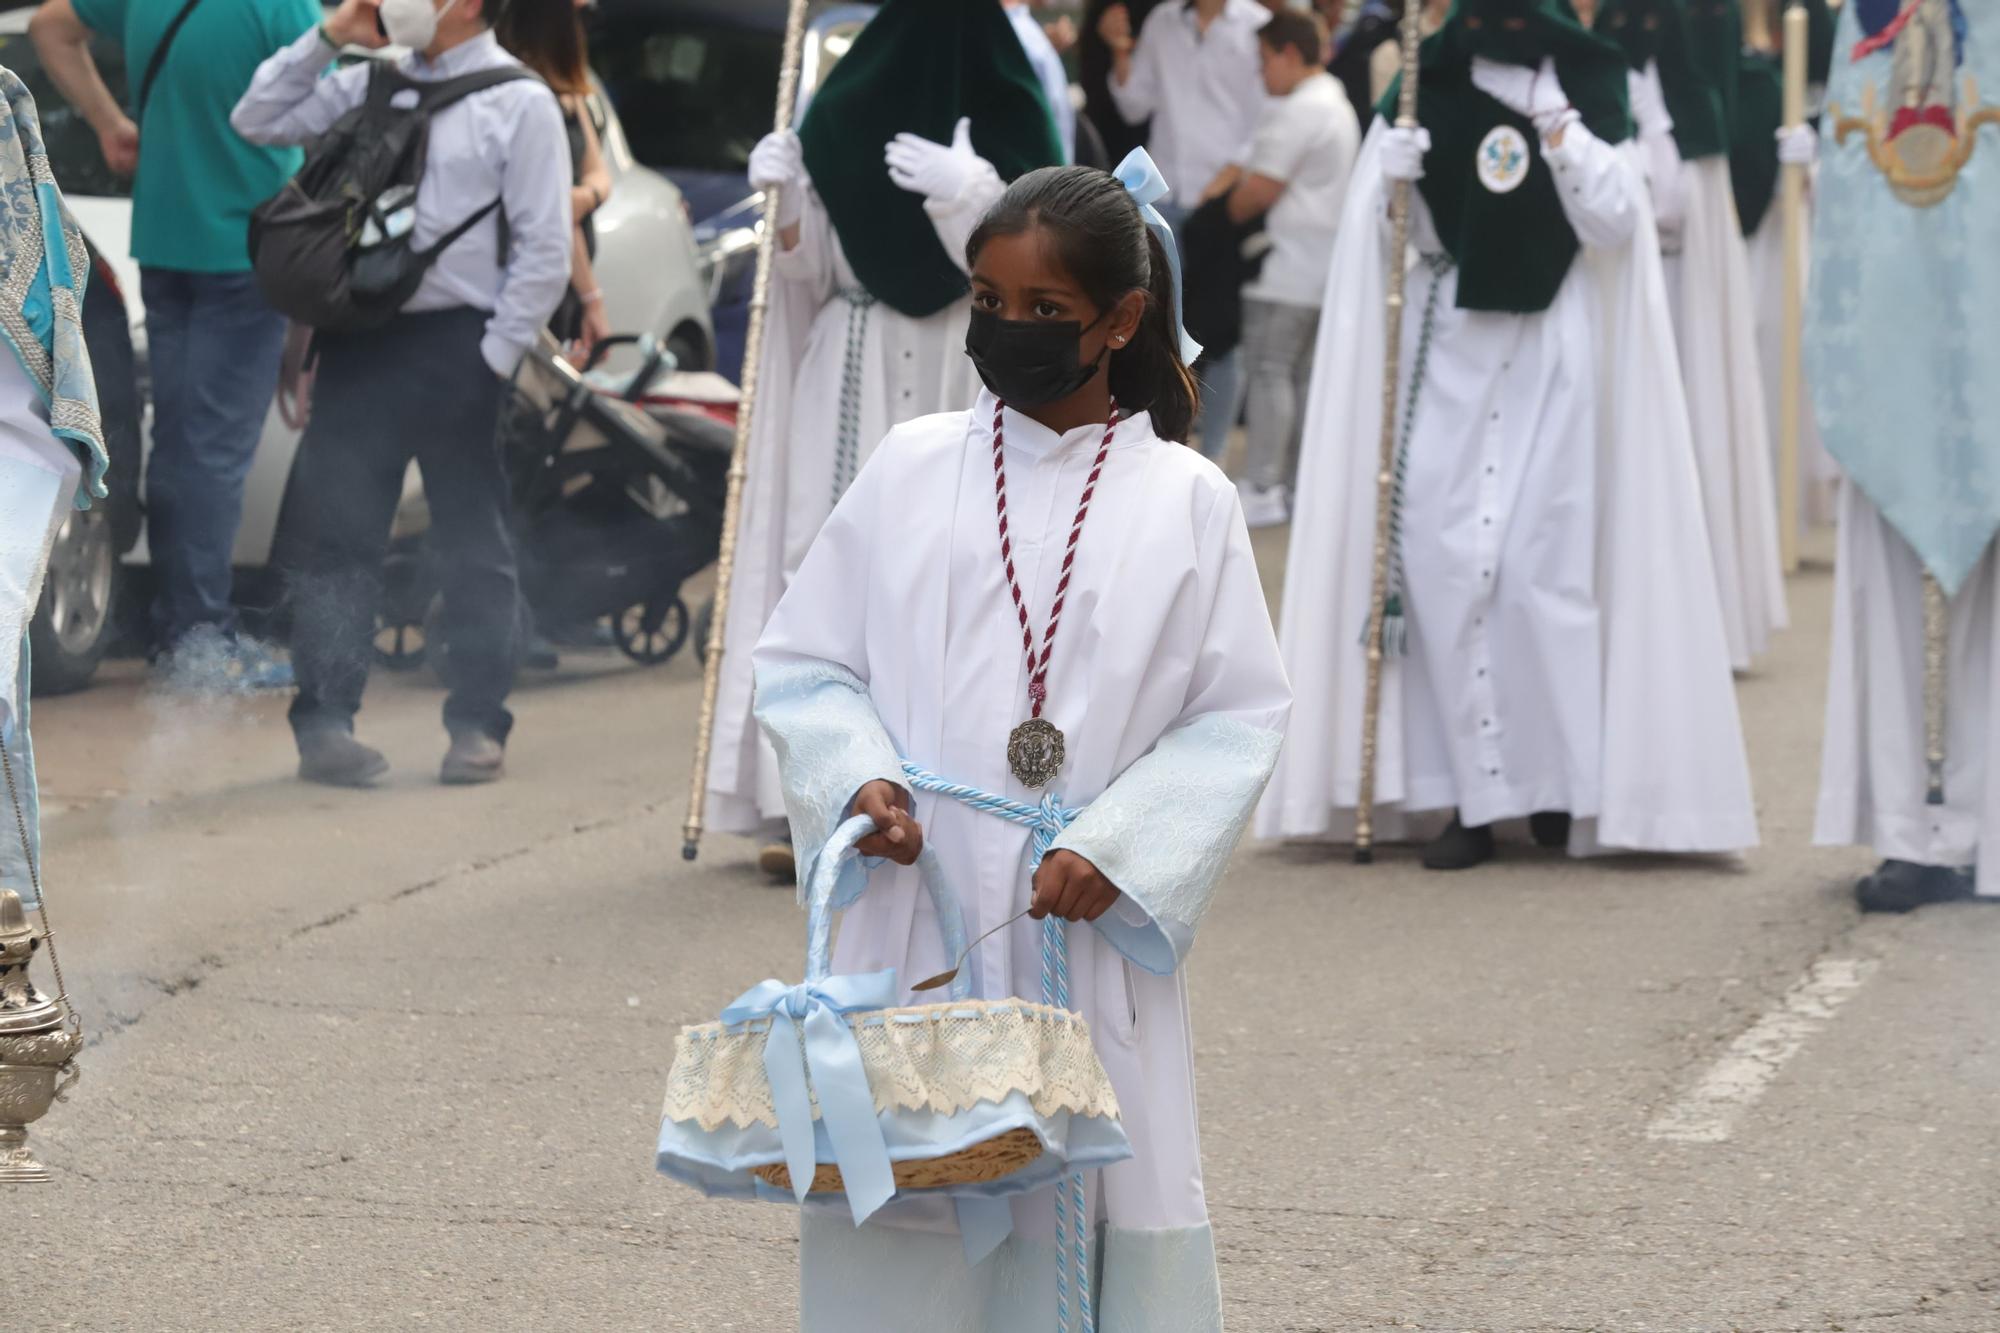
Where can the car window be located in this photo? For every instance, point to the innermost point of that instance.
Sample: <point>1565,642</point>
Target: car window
<point>72,144</point>
<point>690,94</point>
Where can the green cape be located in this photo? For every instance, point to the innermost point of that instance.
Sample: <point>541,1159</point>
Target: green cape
<point>1696,106</point>
<point>1513,250</point>
<point>1753,149</point>
<point>918,66</point>
<point>1760,111</point>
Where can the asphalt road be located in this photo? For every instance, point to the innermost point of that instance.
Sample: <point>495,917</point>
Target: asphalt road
<point>392,1060</point>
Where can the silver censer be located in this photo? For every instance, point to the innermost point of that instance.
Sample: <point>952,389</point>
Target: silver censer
<point>38,1046</point>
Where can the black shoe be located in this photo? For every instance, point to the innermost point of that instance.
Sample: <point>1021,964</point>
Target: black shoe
<point>1459,848</point>
<point>336,759</point>
<point>1904,886</point>
<point>1550,829</point>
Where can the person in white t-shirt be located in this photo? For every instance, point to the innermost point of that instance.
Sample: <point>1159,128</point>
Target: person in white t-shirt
<point>1294,174</point>
<point>1192,69</point>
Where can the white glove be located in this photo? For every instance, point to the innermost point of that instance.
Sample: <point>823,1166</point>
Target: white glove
<point>1533,93</point>
<point>933,170</point>
<point>1649,100</point>
<point>1403,152</point>
<point>1798,145</point>
<point>778,162</point>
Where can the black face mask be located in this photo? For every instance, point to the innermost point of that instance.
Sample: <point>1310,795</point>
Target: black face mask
<point>1030,362</point>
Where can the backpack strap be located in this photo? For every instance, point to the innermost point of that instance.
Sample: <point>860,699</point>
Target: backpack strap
<point>434,95</point>
<point>159,59</point>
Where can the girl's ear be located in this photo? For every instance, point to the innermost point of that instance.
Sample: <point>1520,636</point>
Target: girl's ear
<point>1125,317</point>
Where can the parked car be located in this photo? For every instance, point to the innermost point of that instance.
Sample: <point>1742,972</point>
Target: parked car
<point>647,266</point>
<point>695,82</point>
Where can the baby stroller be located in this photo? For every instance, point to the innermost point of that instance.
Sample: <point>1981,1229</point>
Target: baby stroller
<point>618,486</point>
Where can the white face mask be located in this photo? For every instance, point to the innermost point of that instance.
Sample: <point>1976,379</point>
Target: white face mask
<point>412,23</point>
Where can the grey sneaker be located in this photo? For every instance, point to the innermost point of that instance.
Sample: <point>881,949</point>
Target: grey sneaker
<point>336,759</point>
<point>474,758</point>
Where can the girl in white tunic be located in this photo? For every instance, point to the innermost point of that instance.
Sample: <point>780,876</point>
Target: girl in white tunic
<point>867,304</point>
<point>1126,564</point>
<point>1562,653</point>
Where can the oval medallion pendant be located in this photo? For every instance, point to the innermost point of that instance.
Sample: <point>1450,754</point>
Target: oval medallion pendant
<point>1035,753</point>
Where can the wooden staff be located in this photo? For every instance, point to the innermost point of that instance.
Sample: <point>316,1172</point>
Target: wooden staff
<point>1790,375</point>
<point>753,348</point>
<point>1385,473</point>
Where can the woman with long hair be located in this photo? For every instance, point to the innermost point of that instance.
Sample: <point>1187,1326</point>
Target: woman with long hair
<point>547,37</point>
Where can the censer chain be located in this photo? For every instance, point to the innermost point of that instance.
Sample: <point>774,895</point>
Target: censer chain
<point>41,899</point>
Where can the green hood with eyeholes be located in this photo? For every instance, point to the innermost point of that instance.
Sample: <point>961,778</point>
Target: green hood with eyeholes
<point>1513,250</point>
<point>1658,30</point>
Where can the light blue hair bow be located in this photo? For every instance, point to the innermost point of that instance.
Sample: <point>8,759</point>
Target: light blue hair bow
<point>1143,181</point>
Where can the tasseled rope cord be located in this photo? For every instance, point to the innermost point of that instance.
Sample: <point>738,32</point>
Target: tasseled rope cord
<point>847,428</point>
<point>1395,609</point>
<point>1038,663</point>
<point>1048,820</point>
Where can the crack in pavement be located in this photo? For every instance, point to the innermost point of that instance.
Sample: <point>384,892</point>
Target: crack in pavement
<point>209,965</point>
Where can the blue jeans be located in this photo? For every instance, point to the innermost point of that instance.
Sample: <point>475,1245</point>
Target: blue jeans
<point>214,346</point>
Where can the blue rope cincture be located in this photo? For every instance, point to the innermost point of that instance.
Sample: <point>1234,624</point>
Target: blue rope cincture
<point>1047,820</point>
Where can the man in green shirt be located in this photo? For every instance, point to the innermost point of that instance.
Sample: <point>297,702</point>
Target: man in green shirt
<point>214,343</point>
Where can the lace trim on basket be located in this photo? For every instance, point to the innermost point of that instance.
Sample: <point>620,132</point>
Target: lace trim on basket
<point>943,1058</point>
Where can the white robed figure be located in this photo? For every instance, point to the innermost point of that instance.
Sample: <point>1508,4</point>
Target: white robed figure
<point>1903,315</point>
<point>1553,596</point>
<point>867,303</point>
<point>901,640</point>
<point>1682,141</point>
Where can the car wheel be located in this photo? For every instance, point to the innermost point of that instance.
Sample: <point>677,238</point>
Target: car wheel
<point>72,627</point>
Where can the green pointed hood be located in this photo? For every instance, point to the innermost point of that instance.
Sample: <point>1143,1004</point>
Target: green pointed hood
<point>918,66</point>
<point>1658,30</point>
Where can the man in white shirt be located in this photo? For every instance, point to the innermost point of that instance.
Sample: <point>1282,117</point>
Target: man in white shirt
<point>1193,69</point>
<point>1295,176</point>
<point>428,385</point>
<point>1049,69</point>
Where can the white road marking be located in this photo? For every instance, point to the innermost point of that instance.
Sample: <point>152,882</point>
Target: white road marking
<point>1710,1110</point>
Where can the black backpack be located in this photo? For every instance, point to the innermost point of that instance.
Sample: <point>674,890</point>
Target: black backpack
<point>311,245</point>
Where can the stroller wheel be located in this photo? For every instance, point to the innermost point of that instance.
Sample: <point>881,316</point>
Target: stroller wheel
<point>400,646</point>
<point>650,634</point>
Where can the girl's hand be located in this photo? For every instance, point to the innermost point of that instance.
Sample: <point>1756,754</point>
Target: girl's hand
<point>897,836</point>
<point>1072,888</point>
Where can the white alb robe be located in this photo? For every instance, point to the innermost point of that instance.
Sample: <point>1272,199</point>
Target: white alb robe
<point>1873,774</point>
<point>908,367</point>
<point>1566,649</point>
<point>1819,475</point>
<point>898,640</point>
<point>1715,333</point>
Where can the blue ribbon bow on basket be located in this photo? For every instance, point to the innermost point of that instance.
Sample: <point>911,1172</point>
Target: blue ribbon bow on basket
<point>810,1038</point>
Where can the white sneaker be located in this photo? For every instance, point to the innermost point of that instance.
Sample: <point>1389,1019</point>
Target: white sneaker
<point>1265,506</point>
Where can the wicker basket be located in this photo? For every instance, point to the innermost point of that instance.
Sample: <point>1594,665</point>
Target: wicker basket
<point>962,1098</point>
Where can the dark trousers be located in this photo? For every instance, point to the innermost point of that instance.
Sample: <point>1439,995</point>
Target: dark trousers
<point>417,388</point>
<point>214,346</point>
